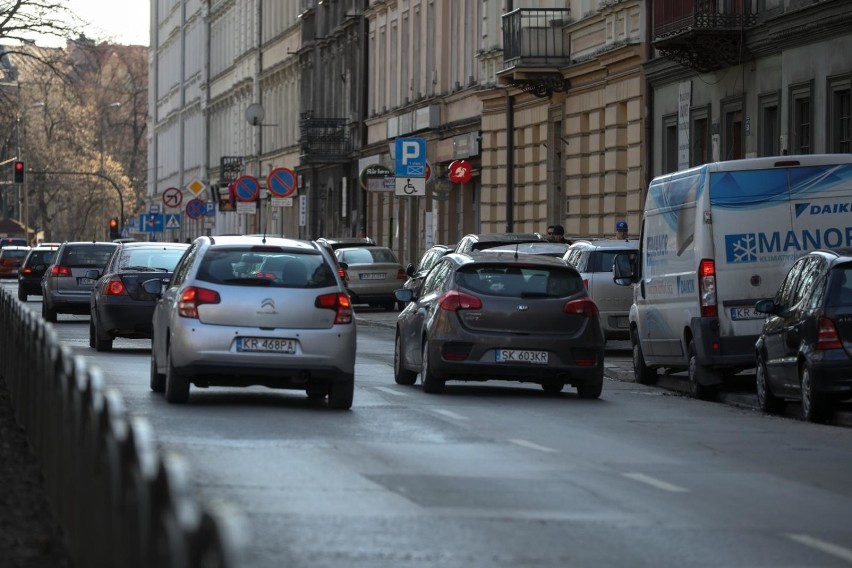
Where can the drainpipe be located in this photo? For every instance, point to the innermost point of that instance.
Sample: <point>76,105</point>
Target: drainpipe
<point>510,163</point>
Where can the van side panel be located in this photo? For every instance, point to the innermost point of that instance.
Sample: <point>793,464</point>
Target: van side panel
<point>666,297</point>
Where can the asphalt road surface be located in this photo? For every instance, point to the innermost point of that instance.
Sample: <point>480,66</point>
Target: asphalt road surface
<point>500,474</point>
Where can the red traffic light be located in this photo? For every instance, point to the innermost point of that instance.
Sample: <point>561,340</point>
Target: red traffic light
<point>113,223</point>
<point>19,171</point>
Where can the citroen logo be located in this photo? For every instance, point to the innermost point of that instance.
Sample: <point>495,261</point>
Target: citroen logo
<point>523,307</point>
<point>267,303</point>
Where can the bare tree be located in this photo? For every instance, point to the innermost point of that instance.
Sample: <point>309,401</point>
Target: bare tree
<point>24,21</point>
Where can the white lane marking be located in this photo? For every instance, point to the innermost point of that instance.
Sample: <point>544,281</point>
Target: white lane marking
<point>449,414</point>
<point>391,391</point>
<point>532,445</point>
<point>654,482</point>
<point>827,547</point>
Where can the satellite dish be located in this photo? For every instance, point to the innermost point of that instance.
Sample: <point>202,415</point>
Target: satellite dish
<point>255,114</point>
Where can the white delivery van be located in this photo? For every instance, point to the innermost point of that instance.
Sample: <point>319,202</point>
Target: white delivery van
<point>717,238</point>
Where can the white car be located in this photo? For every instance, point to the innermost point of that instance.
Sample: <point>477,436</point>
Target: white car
<point>593,260</point>
<point>254,310</point>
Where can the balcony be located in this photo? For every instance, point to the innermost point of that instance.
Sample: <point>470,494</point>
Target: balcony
<point>324,139</point>
<point>705,35</point>
<point>534,48</point>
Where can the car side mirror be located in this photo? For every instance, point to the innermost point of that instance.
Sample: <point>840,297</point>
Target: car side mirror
<point>623,272</point>
<point>409,270</point>
<point>343,265</point>
<point>93,274</point>
<point>766,307</point>
<point>404,295</point>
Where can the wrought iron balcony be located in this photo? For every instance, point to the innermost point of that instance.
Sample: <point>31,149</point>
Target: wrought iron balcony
<point>324,139</point>
<point>704,35</point>
<point>534,47</point>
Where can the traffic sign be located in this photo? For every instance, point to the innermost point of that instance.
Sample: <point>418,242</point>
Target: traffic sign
<point>196,186</point>
<point>173,221</point>
<point>281,182</point>
<point>247,188</point>
<point>410,157</point>
<point>195,208</point>
<point>209,208</point>
<point>151,223</point>
<point>172,197</point>
<point>460,171</point>
<point>410,186</point>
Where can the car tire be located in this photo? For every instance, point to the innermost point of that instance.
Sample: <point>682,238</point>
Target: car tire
<point>697,377</point>
<point>552,388</point>
<point>591,391</point>
<point>100,343</point>
<point>430,383</point>
<point>340,394</point>
<point>47,314</point>
<point>177,387</point>
<point>766,401</point>
<point>401,375</point>
<point>642,373</point>
<point>158,380</point>
<point>814,404</point>
<point>22,296</point>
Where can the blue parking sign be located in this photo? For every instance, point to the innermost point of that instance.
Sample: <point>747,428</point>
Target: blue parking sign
<point>410,157</point>
<point>209,208</point>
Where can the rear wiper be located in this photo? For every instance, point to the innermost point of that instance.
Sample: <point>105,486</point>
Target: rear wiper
<point>145,268</point>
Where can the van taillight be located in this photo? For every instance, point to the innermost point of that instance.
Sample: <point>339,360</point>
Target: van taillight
<point>827,336</point>
<point>193,297</point>
<point>454,301</point>
<point>339,303</point>
<point>60,271</point>
<point>707,288</point>
<point>582,307</point>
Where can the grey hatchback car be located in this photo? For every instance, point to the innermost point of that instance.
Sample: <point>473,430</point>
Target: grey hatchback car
<point>253,310</point>
<point>66,287</point>
<point>482,316</point>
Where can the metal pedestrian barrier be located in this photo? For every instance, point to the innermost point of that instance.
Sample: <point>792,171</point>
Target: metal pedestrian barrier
<point>119,499</point>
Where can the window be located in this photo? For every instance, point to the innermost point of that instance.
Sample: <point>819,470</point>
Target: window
<point>801,119</point>
<point>839,115</point>
<point>732,134</point>
<point>769,125</point>
<point>699,137</point>
<point>669,143</point>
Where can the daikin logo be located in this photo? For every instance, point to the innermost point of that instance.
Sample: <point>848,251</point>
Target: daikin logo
<point>827,209</point>
<point>783,246</point>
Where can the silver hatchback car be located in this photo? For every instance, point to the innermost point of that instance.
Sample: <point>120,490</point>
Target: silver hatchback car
<point>253,310</point>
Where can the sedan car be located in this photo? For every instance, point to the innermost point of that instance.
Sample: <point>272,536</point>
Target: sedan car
<point>11,259</point>
<point>246,310</point>
<point>32,270</point>
<point>593,259</point>
<point>374,274</point>
<point>804,351</point>
<point>67,284</point>
<point>483,316</point>
<point>119,306</point>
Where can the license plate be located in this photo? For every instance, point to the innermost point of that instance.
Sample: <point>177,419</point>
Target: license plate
<point>746,313</point>
<point>521,356</point>
<point>85,282</point>
<point>372,275</point>
<point>266,345</point>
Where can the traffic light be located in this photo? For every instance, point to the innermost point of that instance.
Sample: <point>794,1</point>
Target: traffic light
<point>114,229</point>
<point>19,171</point>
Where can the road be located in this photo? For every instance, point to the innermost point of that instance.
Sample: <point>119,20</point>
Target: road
<point>500,474</point>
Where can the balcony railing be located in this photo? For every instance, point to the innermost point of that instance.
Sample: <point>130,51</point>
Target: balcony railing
<point>324,138</point>
<point>677,16</point>
<point>535,36</point>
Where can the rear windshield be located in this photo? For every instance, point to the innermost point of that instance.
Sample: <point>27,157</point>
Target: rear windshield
<point>13,243</point>
<point>365,255</point>
<point>520,282</point>
<point>87,256</point>
<point>14,253</point>
<point>145,258</point>
<point>41,257</point>
<point>271,268</point>
<point>840,286</point>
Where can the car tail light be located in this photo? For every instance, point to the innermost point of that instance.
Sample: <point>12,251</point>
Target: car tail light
<point>454,301</point>
<point>60,271</point>
<point>338,302</point>
<point>193,297</point>
<point>115,287</point>
<point>827,336</point>
<point>401,275</point>
<point>584,357</point>
<point>581,307</point>
<point>27,271</point>
<point>343,274</point>
<point>455,351</point>
<point>707,288</point>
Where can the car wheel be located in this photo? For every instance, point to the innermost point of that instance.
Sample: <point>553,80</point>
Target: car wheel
<point>47,314</point>
<point>590,391</point>
<point>158,380</point>
<point>768,402</point>
<point>642,373</point>
<point>177,387</point>
<point>101,344</point>
<point>340,394</point>
<point>430,383</point>
<point>401,375</point>
<point>814,404</point>
<point>698,375</point>
<point>22,296</point>
<point>552,388</point>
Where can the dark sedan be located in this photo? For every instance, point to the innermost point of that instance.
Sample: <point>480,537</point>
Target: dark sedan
<point>804,351</point>
<point>482,316</point>
<point>120,307</point>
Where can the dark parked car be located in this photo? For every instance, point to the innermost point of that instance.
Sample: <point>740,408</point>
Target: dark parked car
<point>804,351</point>
<point>482,241</point>
<point>120,307</point>
<point>67,284</point>
<point>483,316</point>
<point>32,270</point>
<point>429,259</point>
